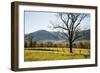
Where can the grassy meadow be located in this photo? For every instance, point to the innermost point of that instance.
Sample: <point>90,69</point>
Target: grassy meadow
<point>41,54</point>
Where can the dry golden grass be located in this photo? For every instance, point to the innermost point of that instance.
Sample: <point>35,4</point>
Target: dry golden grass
<point>41,54</point>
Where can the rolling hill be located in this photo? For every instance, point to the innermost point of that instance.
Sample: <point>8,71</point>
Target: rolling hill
<point>43,35</point>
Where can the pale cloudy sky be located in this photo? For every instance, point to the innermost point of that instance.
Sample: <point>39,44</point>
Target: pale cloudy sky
<point>35,21</point>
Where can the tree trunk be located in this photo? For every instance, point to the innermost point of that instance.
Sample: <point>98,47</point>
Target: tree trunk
<point>70,46</point>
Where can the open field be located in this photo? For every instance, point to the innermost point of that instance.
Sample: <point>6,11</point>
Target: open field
<point>41,54</point>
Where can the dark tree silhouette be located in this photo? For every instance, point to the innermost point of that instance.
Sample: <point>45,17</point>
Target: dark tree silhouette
<point>29,39</point>
<point>34,43</point>
<point>25,44</point>
<point>70,26</point>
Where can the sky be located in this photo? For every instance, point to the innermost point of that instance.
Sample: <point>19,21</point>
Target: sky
<point>35,21</point>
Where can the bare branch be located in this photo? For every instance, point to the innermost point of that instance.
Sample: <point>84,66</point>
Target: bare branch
<point>77,37</point>
<point>66,23</point>
<point>81,18</point>
<point>60,27</point>
<point>65,34</point>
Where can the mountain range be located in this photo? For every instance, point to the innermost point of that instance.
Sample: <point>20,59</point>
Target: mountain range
<point>43,35</point>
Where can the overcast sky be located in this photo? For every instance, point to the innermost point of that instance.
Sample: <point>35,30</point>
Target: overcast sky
<point>35,21</point>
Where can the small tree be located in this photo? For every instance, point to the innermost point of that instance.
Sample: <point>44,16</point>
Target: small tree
<point>49,44</point>
<point>25,44</point>
<point>29,40</point>
<point>34,43</point>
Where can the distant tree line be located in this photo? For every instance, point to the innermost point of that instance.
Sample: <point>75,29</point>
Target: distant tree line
<point>81,44</point>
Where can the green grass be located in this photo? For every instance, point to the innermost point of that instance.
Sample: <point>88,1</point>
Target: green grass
<point>41,54</point>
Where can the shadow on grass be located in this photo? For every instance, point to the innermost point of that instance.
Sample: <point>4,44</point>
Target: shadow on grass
<point>42,49</point>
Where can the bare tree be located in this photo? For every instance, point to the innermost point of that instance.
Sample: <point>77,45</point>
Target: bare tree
<point>70,26</point>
